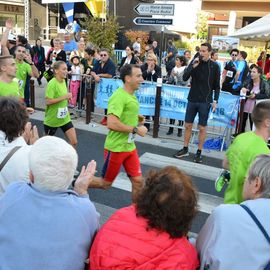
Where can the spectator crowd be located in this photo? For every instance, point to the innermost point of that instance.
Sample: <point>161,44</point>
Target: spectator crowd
<point>47,220</point>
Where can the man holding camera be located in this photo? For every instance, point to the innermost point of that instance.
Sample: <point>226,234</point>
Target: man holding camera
<point>205,79</point>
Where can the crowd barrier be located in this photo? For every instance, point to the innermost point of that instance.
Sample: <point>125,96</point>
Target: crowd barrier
<point>171,104</point>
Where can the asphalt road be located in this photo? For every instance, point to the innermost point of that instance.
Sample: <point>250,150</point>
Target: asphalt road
<point>90,146</point>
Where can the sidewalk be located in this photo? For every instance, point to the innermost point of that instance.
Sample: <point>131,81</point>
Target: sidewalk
<point>166,141</point>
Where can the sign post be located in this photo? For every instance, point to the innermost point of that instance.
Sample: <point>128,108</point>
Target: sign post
<point>155,9</point>
<point>152,21</point>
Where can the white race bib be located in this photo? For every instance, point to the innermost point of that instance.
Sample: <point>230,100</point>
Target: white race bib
<point>131,137</point>
<point>62,112</point>
<point>229,74</point>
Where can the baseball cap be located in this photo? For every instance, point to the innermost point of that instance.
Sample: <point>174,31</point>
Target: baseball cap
<point>11,37</point>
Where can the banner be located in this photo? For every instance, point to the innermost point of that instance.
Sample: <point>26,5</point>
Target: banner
<point>173,102</point>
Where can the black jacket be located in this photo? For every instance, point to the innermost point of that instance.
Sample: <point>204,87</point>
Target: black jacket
<point>60,56</point>
<point>148,76</point>
<point>132,61</point>
<point>205,79</point>
<point>264,89</point>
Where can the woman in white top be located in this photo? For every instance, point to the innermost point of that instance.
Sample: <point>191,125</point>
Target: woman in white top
<point>177,79</point>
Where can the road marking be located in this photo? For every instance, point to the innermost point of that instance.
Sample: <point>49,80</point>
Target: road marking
<point>206,202</point>
<point>191,168</point>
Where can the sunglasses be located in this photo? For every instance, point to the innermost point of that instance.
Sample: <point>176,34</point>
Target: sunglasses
<point>233,54</point>
<point>103,55</point>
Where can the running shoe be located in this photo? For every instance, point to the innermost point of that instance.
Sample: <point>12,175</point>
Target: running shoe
<point>198,158</point>
<point>222,179</point>
<point>182,153</point>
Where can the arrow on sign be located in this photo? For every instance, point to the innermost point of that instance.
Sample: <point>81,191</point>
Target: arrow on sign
<point>155,9</point>
<point>152,21</point>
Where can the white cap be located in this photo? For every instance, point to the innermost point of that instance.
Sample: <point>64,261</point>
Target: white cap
<point>11,37</point>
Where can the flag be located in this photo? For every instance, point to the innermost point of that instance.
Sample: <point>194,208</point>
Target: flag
<point>69,11</point>
<point>97,8</point>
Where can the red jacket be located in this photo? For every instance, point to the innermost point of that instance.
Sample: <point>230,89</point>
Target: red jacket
<point>124,243</point>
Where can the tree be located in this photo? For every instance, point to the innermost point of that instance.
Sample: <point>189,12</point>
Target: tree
<point>102,34</point>
<point>132,35</point>
<point>202,25</point>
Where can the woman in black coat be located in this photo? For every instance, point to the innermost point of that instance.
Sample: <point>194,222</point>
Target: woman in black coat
<point>130,58</point>
<point>38,57</point>
<point>255,88</point>
<point>150,70</point>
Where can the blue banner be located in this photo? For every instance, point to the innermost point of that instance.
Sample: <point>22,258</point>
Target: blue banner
<point>173,102</point>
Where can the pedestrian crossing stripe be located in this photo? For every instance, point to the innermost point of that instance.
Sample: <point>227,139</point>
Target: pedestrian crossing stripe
<point>206,202</point>
<point>191,168</point>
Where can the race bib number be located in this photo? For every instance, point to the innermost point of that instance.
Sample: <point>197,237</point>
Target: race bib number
<point>131,137</point>
<point>20,82</point>
<point>62,112</point>
<point>229,74</point>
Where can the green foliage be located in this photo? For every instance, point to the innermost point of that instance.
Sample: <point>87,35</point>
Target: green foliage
<point>202,26</point>
<point>103,34</point>
<point>181,44</point>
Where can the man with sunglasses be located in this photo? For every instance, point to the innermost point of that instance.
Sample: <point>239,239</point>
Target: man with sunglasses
<point>229,72</point>
<point>104,68</point>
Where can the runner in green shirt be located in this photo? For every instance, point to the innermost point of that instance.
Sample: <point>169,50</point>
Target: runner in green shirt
<point>124,122</point>
<point>245,148</point>
<point>8,84</point>
<point>25,67</point>
<point>57,96</point>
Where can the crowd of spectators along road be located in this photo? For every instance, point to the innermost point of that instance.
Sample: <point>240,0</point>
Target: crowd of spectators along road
<point>57,218</point>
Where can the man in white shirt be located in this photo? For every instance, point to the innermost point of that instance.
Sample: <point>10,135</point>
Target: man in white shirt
<point>137,45</point>
<point>230,238</point>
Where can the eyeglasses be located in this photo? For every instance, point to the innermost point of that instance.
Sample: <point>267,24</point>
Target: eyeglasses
<point>233,54</point>
<point>103,55</point>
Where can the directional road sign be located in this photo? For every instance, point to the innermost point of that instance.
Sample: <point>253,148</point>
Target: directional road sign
<point>155,9</point>
<point>152,21</point>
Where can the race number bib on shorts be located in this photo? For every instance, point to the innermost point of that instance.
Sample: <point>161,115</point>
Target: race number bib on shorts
<point>131,138</point>
<point>20,82</point>
<point>62,112</point>
<point>229,74</point>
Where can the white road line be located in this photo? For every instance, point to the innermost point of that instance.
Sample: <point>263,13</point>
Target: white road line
<point>207,202</point>
<point>193,169</point>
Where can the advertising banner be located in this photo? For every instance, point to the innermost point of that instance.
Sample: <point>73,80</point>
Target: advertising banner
<point>173,102</point>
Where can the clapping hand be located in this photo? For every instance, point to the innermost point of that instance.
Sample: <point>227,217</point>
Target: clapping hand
<point>83,181</point>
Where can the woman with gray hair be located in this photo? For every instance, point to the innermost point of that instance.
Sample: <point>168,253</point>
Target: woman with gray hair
<point>43,224</point>
<point>231,238</point>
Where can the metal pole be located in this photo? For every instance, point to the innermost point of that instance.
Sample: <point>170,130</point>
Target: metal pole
<point>58,19</point>
<point>26,18</point>
<point>32,93</point>
<point>114,8</point>
<point>47,22</point>
<point>157,108</point>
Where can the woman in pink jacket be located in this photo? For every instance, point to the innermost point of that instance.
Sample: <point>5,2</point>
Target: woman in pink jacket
<point>152,234</point>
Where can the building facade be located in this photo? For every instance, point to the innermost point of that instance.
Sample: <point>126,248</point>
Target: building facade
<point>226,16</point>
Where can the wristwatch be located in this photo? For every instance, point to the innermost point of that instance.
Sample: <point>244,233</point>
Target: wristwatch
<point>135,129</point>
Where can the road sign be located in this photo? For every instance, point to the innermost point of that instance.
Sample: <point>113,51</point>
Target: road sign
<point>155,9</point>
<point>152,21</point>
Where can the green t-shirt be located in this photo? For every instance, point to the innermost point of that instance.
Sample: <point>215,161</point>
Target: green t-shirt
<point>240,156</point>
<point>23,69</point>
<point>126,107</point>
<point>56,115</point>
<point>9,89</point>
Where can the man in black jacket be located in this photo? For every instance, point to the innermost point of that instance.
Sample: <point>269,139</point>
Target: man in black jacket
<point>205,76</point>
